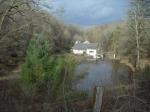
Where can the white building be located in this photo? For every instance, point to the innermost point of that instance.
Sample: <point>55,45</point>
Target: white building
<point>92,52</point>
<point>89,49</point>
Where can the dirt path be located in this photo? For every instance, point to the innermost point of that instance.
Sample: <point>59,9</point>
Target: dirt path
<point>12,75</point>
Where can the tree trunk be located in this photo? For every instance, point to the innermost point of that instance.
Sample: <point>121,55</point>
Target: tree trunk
<point>137,42</point>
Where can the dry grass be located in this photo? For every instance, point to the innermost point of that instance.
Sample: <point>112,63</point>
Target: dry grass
<point>132,99</point>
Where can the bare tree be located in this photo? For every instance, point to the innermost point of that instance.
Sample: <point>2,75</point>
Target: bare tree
<point>136,27</point>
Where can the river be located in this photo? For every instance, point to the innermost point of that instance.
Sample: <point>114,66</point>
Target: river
<point>102,73</point>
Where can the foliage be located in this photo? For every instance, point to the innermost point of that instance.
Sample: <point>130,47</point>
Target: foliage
<point>44,69</point>
<point>36,60</point>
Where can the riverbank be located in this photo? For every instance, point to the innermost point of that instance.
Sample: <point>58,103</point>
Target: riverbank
<point>15,98</point>
<point>127,96</point>
<point>127,61</point>
<point>111,74</point>
<point>133,97</point>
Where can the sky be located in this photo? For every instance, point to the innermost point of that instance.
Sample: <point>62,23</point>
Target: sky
<point>90,12</point>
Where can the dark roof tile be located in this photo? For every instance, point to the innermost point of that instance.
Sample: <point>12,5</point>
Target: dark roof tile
<point>82,46</point>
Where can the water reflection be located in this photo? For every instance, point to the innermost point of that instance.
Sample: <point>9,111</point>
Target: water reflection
<point>103,73</point>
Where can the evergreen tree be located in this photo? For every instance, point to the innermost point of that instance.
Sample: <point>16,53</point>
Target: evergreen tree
<point>36,62</point>
<point>49,72</point>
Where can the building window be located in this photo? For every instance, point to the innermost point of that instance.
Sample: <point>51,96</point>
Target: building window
<point>91,51</point>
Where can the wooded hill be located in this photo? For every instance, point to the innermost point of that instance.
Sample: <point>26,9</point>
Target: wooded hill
<point>20,21</point>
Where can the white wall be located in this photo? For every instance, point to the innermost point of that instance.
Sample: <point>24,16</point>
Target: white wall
<point>91,52</point>
<point>79,52</point>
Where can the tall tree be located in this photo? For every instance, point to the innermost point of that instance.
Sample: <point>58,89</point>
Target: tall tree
<point>137,30</point>
<point>115,40</point>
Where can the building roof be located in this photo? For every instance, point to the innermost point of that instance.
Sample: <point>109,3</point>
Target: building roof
<point>92,46</point>
<point>84,46</point>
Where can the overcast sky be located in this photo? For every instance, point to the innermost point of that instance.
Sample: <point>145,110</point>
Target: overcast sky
<point>91,12</point>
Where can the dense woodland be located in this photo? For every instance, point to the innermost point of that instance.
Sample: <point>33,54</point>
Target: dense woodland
<point>38,46</point>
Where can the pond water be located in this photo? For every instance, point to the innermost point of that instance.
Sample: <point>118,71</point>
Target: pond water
<point>103,73</point>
